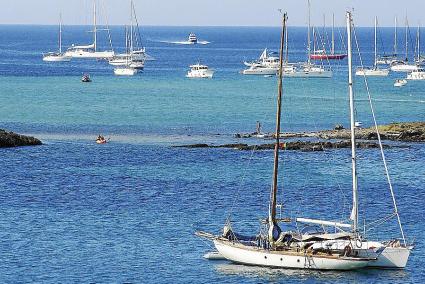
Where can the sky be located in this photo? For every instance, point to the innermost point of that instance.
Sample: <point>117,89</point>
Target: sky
<point>211,12</point>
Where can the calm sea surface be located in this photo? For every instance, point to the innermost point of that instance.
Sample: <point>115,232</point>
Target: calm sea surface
<point>74,211</point>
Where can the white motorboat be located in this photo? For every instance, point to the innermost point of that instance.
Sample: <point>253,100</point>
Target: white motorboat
<point>400,83</point>
<point>57,56</point>
<point>125,71</point>
<point>135,55</point>
<point>192,39</point>
<point>266,59</point>
<point>200,71</point>
<point>343,249</point>
<point>91,51</point>
<point>375,70</point>
<point>416,75</point>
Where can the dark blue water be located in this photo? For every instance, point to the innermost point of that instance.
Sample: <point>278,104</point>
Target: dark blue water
<point>74,211</point>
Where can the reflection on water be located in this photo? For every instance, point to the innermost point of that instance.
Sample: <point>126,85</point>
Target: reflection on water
<point>284,275</point>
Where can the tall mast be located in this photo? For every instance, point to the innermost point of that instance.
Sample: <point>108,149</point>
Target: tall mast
<point>286,45</point>
<point>333,36</point>
<point>60,33</point>
<point>355,212</point>
<point>407,51</point>
<point>272,217</point>
<point>308,35</point>
<point>395,35</point>
<point>418,37</point>
<point>94,25</point>
<point>376,51</point>
<point>131,26</point>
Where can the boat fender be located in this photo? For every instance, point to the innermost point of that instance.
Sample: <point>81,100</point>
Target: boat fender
<point>347,250</point>
<point>358,243</point>
<point>274,232</point>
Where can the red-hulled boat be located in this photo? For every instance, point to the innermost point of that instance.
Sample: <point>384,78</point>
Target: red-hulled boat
<point>324,56</point>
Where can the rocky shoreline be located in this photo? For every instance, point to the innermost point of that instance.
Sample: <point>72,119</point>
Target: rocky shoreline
<point>304,146</point>
<point>10,139</point>
<point>403,132</point>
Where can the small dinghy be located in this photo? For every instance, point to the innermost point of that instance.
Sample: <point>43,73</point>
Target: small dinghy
<point>86,78</point>
<point>400,82</point>
<point>214,255</point>
<point>101,140</point>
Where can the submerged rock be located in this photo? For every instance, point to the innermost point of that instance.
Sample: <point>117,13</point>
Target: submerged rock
<point>304,146</point>
<point>10,139</point>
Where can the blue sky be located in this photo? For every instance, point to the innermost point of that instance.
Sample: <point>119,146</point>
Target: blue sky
<point>211,12</point>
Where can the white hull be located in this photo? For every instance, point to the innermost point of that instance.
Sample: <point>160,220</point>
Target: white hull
<point>395,258</point>
<point>90,54</point>
<point>420,75</point>
<point>202,74</point>
<point>404,68</point>
<point>56,58</point>
<point>260,71</point>
<point>126,71</point>
<point>256,256</point>
<point>372,72</point>
<point>400,83</point>
<point>309,74</point>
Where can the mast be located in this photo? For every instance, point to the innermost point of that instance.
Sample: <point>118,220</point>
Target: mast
<point>418,37</point>
<point>60,33</point>
<point>376,51</point>
<point>286,46</point>
<point>131,26</point>
<point>407,50</point>
<point>94,25</point>
<point>333,36</point>
<point>272,216</point>
<point>308,35</point>
<point>355,212</point>
<point>395,35</point>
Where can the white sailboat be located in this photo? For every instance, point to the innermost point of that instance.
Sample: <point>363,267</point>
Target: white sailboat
<point>310,70</point>
<point>418,75</point>
<point>135,56</point>
<point>90,51</point>
<point>126,69</point>
<point>344,249</point>
<point>375,70</point>
<point>404,66</point>
<point>57,56</point>
<point>388,59</point>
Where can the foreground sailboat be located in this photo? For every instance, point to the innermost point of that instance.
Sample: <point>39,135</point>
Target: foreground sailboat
<point>343,249</point>
<point>57,56</point>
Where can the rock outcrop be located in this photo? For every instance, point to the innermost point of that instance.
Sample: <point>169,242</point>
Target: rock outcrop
<point>10,139</point>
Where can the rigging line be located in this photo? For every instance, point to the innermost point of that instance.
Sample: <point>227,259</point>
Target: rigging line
<point>379,140</point>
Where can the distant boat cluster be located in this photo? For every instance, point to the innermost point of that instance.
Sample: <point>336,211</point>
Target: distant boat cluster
<point>133,59</point>
<point>127,63</point>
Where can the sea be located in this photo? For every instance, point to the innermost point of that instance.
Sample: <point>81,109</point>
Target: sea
<point>72,211</point>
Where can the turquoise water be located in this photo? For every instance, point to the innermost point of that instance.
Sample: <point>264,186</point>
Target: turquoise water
<point>74,211</point>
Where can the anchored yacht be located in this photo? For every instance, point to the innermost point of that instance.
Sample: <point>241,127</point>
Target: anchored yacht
<point>200,71</point>
<point>90,51</point>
